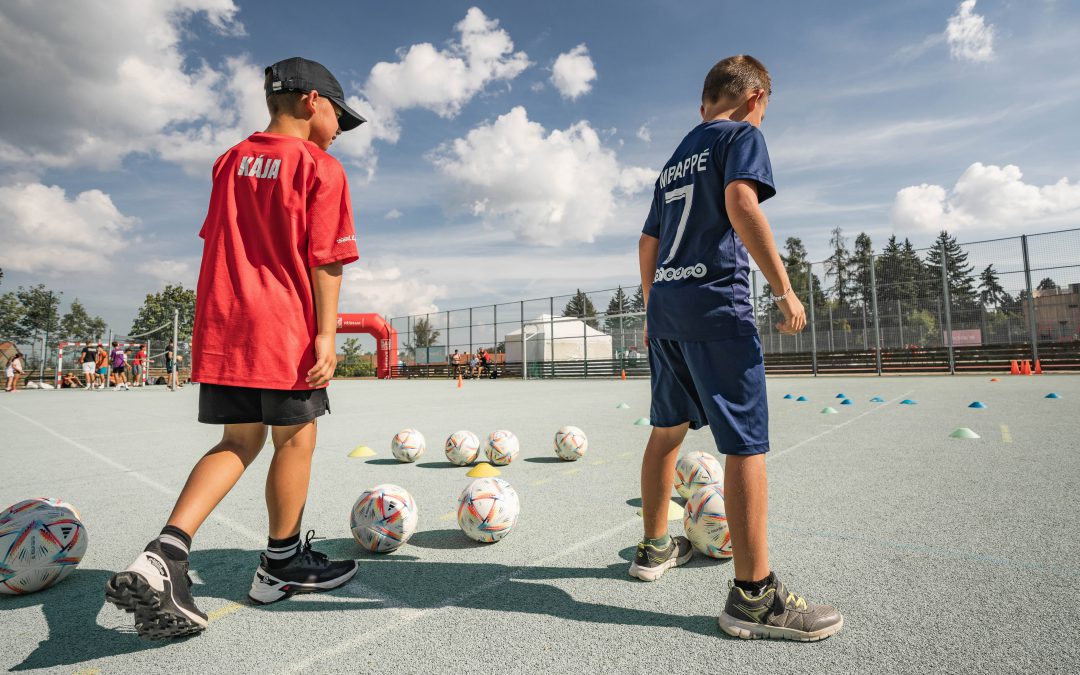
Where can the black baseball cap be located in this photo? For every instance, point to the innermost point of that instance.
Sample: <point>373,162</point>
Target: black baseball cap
<point>299,74</point>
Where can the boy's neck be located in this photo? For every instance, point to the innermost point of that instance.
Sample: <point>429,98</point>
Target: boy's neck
<point>289,126</point>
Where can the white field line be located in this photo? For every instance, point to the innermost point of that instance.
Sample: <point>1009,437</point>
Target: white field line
<point>410,616</point>
<point>247,532</point>
<point>774,455</point>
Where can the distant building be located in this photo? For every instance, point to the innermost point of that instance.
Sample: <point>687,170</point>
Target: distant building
<point>1057,313</point>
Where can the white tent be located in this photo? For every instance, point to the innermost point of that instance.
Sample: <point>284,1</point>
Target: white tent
<point>568,338</point>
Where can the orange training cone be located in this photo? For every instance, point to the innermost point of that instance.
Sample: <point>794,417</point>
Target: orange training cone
<point>1038,367</point>
<point>624,373</point>
<point>1026,370</point>
<point>459,381</point>
<point>1014,369</point>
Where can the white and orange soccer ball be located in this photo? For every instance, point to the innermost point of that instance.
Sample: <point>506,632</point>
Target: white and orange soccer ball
<point>42,540</point>
<point>570,443</point>
<point>502,447</point>
<point>408,445</point>
<point>695,470</point>
<point>462,448</point>
<point>383,518</point>
<point>488,509</point>
<point>705,522</point>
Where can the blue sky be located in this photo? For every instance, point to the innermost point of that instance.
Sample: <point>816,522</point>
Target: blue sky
<point>504,160</point>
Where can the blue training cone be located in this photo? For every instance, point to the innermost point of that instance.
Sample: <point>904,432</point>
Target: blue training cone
<point>788,396</point>
<point>977,404</point>
<point>846,401</point>
<point>877,399</point>
<point>1051,395</point>
<point>841,395</point>
<point>907,401</point>
<point>801,398</point>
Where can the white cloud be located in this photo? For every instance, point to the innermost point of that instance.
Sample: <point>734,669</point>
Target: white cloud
<point>970,37</point>
<point>387,291</point>
<point>547,187</point>
<point>644,133</point>
<point>985,197</point>
<point>392,214</point>
<point>444,80</point>
<point>573,72</point>
<point>171,271</point>
<point>44,231</point>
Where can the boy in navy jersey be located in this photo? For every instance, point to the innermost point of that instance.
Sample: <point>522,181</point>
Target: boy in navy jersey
<point>705,356</point>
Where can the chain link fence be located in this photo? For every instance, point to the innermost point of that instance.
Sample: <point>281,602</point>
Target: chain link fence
<point>946,308</point>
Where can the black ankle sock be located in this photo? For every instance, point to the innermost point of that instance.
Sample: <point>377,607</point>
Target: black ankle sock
<point>280,551</point>
<point>175,543</point>
<point>754,587</point>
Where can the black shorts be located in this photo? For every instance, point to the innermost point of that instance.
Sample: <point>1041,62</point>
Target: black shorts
<point>222,404</point>
<point>119,370</point>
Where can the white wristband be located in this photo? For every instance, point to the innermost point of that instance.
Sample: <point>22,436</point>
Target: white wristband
<point>778,298</point>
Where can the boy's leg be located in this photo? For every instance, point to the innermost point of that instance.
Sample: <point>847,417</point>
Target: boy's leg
<point>289,567</point>
<point>746,498</point>
<point>658,475</point>
<point>216,474</point>
<point>288,478</point>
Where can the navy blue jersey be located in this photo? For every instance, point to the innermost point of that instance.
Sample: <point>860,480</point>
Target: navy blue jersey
<point>701,289</point>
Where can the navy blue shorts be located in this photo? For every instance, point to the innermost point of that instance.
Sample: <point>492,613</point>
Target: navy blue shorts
<point>719,383</point>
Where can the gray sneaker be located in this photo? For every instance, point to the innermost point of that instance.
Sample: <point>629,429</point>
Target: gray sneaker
<point>777,614</point>
<point>650,562</point>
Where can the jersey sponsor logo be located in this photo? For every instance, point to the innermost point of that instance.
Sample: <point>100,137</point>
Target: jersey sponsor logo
<point>259,167</point>
<point>342,240</point>
<point>675,273</point>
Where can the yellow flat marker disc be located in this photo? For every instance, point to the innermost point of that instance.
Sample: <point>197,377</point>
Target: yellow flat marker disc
<point>674,511</point>
<point>483,470</point>
<point>362,451</point>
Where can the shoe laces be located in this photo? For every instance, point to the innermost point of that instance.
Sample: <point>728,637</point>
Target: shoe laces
<point>309,556</point>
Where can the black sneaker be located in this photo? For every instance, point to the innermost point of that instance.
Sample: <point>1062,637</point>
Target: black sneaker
<point>157,590</point>
<point>650,562</point>
<point>306,572</point>
<point>778,614</point>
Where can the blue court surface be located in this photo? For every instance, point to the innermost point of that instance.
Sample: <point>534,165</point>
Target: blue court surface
<point>945,554</point>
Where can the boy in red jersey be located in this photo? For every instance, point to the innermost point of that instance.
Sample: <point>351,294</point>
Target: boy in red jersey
<point>278,230</point>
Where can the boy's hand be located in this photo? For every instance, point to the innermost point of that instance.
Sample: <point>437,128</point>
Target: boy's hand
<point>325,361</point>
<point>794,315</point>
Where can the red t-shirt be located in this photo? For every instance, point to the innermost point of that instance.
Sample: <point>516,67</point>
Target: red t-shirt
<point>139,358</point>
<point>279,206</point>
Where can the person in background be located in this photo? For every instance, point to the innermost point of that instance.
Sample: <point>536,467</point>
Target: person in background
<point>101,366</point>
<point>89,355</point>
<point>15,368</point>
<point>474,366</point>
<point>119,366</point>
<point>137,365</point>
<point>170,366</point>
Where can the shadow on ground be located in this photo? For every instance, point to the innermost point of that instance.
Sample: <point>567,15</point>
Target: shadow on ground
<point>546,460</point>
<point>71,608</point>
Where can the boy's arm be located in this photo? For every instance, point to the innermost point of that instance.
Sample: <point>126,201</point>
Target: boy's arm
<point>744,211</point>
<point>648,252</point>
<point>326,284</point>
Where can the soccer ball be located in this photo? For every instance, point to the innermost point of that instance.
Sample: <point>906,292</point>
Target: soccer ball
<point>705,522</point>
<point>408,445</point>
<point>383,518</point>
<point>462,448</point>
<point>696,470</point>
<point>570,443</point>
<point>502,447</point>
<point>41,542</point>
<point>488,509</point>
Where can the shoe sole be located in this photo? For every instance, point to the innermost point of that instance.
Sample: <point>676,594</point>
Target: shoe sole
<point>654,573</point>
<point>273,595</point>
<point>748,630</point>
<point>132,593</point>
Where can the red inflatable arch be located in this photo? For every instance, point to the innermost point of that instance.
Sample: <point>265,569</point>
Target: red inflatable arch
<point>385,336</point>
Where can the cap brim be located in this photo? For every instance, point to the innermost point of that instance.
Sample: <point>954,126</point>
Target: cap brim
<point>350,119</point>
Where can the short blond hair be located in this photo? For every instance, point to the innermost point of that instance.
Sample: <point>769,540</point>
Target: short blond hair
<point>732,77</point>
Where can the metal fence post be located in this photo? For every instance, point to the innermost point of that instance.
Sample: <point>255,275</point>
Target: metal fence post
<point>1032,323</point>
<point>874,309</point>
<point>174,376</point>
<point>900,321</point>
<point>551,331</point>
<point>585,339</point>
<point>448,339</point>
<point>948,310</point>
<point>813,327</point>
<point>495,339</point>
<point>470,333</point>
<point>524,345</point>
